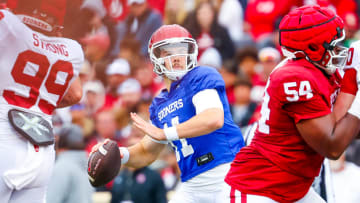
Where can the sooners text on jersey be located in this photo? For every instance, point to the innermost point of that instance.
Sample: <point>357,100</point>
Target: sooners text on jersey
<point>174,107</point>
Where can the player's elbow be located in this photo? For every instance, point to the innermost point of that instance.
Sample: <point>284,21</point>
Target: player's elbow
<point>70,98</point>
<point>77,96</point>
<point>75,93</point>
<point>218,123</point>
<point>73,97</point>
<point>217,120</point>
<point>334,150</point>
<point>334,155</point>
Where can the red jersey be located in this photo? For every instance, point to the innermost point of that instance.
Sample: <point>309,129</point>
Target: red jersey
<point>278,163</point>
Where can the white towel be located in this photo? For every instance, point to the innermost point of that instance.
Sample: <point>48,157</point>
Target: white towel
<point>26,173</point>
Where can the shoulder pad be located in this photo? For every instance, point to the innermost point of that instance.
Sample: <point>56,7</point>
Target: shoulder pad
<point>294,82</point>
<point>295,70</point>
<point>203,77</point>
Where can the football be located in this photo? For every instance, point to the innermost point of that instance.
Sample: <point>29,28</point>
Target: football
<point>104,164</point>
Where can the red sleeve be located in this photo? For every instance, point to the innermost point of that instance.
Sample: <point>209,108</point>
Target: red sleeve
<point>313,108</point>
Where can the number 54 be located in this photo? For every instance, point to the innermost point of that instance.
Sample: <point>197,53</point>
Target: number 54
<point>295,93</point>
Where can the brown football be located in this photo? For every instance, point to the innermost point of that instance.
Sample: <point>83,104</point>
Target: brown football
<point>104,164</point>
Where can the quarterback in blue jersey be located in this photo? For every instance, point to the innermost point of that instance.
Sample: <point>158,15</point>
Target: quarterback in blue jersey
<point>192,114</point>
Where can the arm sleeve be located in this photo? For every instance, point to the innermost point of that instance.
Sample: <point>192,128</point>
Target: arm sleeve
<point>313,108</point>
<point>203,77</point>
<point>77,57</point>
<point>206,99</point>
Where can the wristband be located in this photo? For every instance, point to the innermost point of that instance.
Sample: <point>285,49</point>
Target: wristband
<point>355,106</point>
<point>126,155</point>
<point>171,134</point>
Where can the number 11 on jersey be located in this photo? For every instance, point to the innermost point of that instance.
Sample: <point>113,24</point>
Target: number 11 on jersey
<point>186,149</point>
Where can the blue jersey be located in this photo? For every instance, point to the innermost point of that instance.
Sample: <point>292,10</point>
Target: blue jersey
<point>198,154</point>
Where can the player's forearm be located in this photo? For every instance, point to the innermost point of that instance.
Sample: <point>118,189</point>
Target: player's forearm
<point>69,100</point>
<point>201,124</point>
<point>143,153</point>
<point>344,133</point>
<point>342,105</point>
<point>73,95</point>
<point>328,137</point>
<point>139,157</point>
<point>348,127</point>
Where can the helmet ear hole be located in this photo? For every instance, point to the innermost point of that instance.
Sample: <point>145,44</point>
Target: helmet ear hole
<point>313,47</point>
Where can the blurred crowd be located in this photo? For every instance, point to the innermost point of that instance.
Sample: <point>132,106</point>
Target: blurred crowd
<point>237,37</point>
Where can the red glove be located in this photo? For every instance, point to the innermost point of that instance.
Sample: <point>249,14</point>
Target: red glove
<point>349,82</point>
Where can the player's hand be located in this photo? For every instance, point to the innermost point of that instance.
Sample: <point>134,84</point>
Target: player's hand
<point>97,146</point>
<point>147,128</point>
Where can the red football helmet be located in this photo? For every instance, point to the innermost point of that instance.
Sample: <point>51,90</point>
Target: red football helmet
<point>42,15</point>
<point>177,41</point>
<point>315,32</point>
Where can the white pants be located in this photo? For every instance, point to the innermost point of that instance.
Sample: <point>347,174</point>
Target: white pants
<point>204,188</point>
<point>238,197</point>
<point>186,195</point>
<point>29,171</point>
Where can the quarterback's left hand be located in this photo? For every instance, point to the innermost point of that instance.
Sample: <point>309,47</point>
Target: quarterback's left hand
<point>147,128</point>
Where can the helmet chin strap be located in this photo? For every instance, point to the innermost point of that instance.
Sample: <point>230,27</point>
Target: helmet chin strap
<point>329,70</point>
<point>176,74</point>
